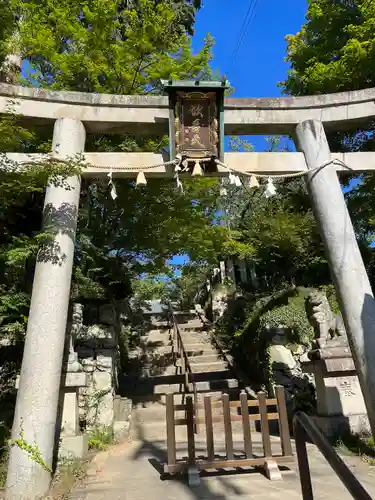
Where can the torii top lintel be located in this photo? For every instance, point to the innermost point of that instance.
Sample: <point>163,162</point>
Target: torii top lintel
<point>145,115</point>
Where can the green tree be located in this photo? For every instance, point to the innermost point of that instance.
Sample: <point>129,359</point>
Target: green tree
<point>185,11</point>
<point>122,47</point>
<point>281,235</point>
<point>6,26</point>
<point>335,51</point>
<point>99,46</point>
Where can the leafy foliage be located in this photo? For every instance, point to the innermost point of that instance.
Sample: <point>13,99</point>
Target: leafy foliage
<point>280,234</point>
<point>124,47</point>
<point>100,438</point>
<point>334,51</point>
<point>21,198</point>
<point>101,46</point>
<point>292,314</point>
<point>115,47</point>
<point>7,25</point>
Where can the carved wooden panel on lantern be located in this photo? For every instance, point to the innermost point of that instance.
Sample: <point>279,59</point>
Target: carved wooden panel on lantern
<point>196,125</point>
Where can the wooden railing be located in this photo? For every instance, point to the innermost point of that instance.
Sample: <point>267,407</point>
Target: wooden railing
<point>181,360</point>
<point>304,428</point>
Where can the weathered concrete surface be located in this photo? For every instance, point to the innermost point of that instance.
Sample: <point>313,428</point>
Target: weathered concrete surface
<point>130,472</point>
<point>149,114</point>
<point>39,385</point>
<point>74,446</point>
<point>99,164</point>
<point>347,267</point>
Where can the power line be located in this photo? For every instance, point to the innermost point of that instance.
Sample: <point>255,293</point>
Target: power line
<point>242,29</point>
<point>249,17</point>
<point>241,34</point>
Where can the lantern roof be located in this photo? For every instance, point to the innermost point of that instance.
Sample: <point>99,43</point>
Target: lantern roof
<point>171,84</point>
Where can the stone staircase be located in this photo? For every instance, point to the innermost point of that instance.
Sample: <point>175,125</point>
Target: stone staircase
<point>159,376</point>
<point>132,470</point>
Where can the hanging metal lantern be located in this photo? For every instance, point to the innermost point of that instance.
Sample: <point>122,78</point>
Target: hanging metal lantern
<point>196,120</point>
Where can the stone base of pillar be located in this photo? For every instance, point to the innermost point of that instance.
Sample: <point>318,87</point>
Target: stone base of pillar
<point>337,426</point>
<point>341,408</point>
<point>73,446</point>
<point>122,417</point>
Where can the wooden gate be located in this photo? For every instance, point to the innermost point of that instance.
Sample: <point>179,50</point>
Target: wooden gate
<point>246,457</point>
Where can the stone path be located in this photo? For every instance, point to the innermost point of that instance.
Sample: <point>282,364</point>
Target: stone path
<point>132,470</point>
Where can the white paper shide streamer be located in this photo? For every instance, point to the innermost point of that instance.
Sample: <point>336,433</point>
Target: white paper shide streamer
<point>112,185</point>
<point>177,170</point>
<point>270,189</point>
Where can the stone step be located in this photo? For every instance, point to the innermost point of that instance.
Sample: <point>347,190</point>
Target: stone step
<point>218,366</point>
<point>185,316</point>
<point>172,370</point>
<point>209,367</point>
<point>194,333</point>
<point>193,325</point>
<point>195,351</point>
<point>174,379</point>
<point>190,312</point>
<point>196,340</point>
<point>155,341</point>
<point>218,384</point>
<point>205,358</point>
<point>197,344</point>
<point>179,398</point>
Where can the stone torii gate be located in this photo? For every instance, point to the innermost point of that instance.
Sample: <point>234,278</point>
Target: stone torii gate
<point>72,115</point>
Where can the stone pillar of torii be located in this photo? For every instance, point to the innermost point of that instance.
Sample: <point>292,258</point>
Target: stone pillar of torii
<point>73,115</point>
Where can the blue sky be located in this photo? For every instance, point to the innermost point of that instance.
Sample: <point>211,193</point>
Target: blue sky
<point>259,64</point>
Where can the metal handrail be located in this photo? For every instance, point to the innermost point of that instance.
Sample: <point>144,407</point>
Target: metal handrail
<point>184,360</point>
<point>305,427</point>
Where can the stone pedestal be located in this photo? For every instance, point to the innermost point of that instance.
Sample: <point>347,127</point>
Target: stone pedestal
<point>340,404</point>
<point>243,271</point>
<point>230,270</point>
<point>73,444</point>
<point>222,271</point>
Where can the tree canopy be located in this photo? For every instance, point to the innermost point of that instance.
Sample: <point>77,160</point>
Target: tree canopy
<point>115,47</point>
<point>102,46</point>
<point>335,51</point>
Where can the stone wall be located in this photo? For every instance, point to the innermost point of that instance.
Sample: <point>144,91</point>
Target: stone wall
<point>95,332</point>
<point>285,362</point>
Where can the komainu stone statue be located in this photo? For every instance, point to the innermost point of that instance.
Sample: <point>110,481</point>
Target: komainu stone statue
<point>326,324</point>
<point>73,330</point>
